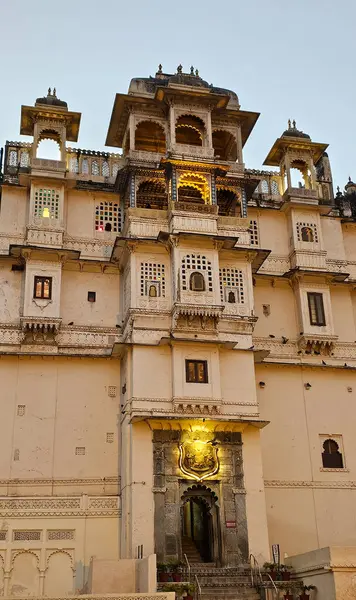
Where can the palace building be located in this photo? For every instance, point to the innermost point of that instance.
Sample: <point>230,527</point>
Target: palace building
<point>177,344</point>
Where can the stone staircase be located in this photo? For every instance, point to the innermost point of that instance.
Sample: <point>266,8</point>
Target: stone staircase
<point>222,583</point>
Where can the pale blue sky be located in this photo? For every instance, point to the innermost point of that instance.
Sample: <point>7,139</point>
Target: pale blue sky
<point>285,59</point>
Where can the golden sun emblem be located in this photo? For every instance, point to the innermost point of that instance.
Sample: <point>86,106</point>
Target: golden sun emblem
<point>198,457</point>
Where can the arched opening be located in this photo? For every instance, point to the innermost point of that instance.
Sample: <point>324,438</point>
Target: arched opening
<point>190,130</point>
<point>108,227</point>
<point>231,298</point>
<point>307,234</point>
<point>197,282</point>
<point>264,186</point>
<point>332,457</point>
<point>188,193</point>
<point>225,146</point>
<point>300,174</point>
<point>228,203</point>
<point>152,291</point>
<point>152,194</point>
<point>200,528</point>
<point>49,145</point>
<point>150,136</point>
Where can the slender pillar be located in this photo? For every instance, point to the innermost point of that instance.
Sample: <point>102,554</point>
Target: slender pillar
<point>209,131</point>
<point>132,190</point>
<point>213,189</point>
<point>239,144</point>
<point>172,126</point>
<point>174,185</point>
<point>243,203</point>
<point>132,131</point>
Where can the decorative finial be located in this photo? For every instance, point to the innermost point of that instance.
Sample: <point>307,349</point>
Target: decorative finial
<point>54,92</point>
<point>289,124</point>
<point>338,189</point>
<point>349,179</point>
<point>179,69</point>
<point>294,124</point>
<point>49,92</point>
<point>192,70</point>
<point>160,68</point>
<point>196,73</point>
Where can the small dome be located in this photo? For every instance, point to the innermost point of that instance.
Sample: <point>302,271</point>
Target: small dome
<point>292,131</point>
<point>51,100</point>
<point>350,184</point>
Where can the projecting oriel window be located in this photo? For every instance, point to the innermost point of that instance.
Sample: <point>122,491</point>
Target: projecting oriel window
<point>196,371</point>
<point>316,309</point>
<point>42,287</point>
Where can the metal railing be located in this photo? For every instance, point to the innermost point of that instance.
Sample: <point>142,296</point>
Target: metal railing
<point>188,566</point>
<point>197,588</point>
<point>256,576</point>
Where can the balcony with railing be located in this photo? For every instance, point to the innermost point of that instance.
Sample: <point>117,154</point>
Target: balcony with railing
<point>85,165</point>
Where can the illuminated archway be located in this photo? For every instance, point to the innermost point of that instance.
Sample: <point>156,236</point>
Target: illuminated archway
<point>193,187</point>
<point>190,130</point>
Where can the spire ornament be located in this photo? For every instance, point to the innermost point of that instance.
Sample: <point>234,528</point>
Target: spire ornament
<point>179,69</point>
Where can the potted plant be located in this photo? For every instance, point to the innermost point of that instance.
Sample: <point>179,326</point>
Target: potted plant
<point>272,570</point>
<point>177,570</point>
<point>163,572</point>
<point>188,591</point>
<point>306,588</point>
<point>285,571</point>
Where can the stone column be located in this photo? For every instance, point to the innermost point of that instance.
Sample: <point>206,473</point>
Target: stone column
<point>132,130</point>
<point>172,126</point>
<point>239,144</point>
<point>287,169</point>
<point>209,131</point>
<point>243,203</point>
<point>174,195</point>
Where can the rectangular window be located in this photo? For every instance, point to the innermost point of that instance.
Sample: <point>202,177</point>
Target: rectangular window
<point>43,288</point>
<point>196,371</point>
<point>316,309</point>
<point>91,296</point>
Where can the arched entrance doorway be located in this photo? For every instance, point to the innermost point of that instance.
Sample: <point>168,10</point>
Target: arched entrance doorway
<point>200,531</point>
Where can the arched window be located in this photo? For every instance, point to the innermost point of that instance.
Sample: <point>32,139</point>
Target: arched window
<point>228,202</point>
<point>85,166</point>
<point>332,457</point>
<point>105,169</point>
<point>13,158</point>
<point>115,169</point>
<point>197,282</point>
<point>190,130</point>
<point>232,288</point>
<point>307,234</point>
<point>150,137</point>
<point>152,194</point>
<point>152,280</point>
<point>95,168</point>
<point>264,186</point>
<point>224,144</point>
<point>108,217</point>
<point>274,187</point>
<point>193,263</point>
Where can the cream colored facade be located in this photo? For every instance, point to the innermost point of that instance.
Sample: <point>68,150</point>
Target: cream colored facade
<point>159,299</point>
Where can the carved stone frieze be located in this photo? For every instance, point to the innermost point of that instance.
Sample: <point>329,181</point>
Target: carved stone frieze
<point>67,506</point>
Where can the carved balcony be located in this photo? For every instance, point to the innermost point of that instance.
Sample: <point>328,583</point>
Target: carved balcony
<point>42,330</point>
<point>143,156</point>
<point>39,236</point>
<point>308,259</point>
<point>317,343</point>
<point>301,195</point>
<point>192,217</point>
<point>48,168</point>
<point>196,318</point>
<point>144,222</point>
<point>187,151</point>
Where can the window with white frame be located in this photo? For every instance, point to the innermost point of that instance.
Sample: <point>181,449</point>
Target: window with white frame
<point>74,165</point>
<point>232,285</point>
<point>193,263</point>
<point>46,203</point>
<point>152,280</point>
<point>95,170</point>
<point>307,232</point>
<point>85,166</point>
<point>254,234</point>
<point>108,217</point>
<point>24,159</point>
